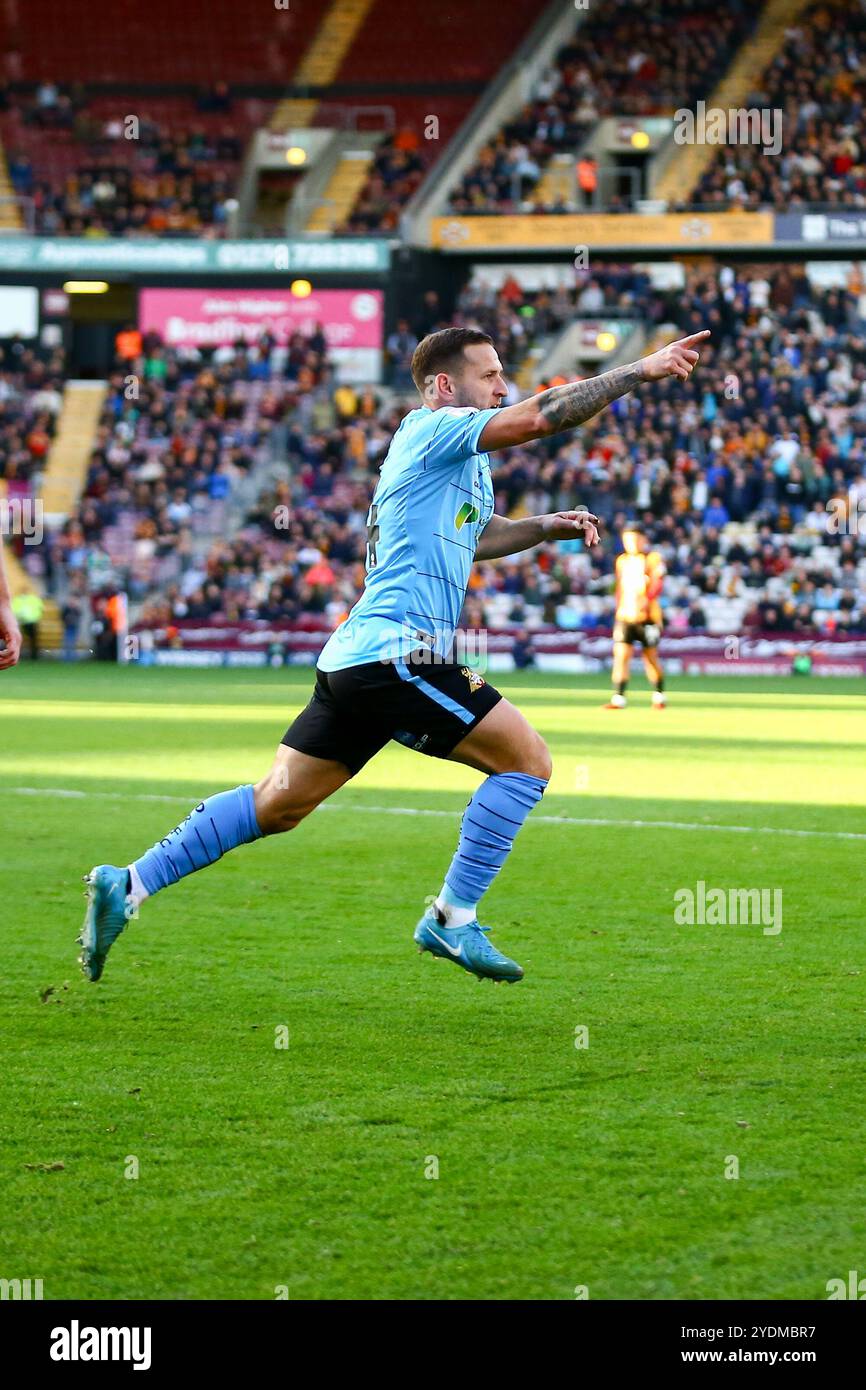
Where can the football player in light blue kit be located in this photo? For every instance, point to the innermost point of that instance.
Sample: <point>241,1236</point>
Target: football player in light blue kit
<point>434,499</point>
<point>387,673</point>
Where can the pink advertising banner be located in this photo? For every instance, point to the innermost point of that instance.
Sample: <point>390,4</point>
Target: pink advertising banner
<point>212,318</point>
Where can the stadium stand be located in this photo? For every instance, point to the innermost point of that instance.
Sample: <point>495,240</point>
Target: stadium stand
<point>31,401</point>
<point>816,82</point>
<point>193,42</point>
<point>738,90</point>
<point>365,58</point>
<point>627,59</point>
<point>31,380</point>
<point>63,140</point>
<point>83,175</point>
<point>236,484</point>
<point>66,94</point>
<point>523,322</point>
<point>732,474</point>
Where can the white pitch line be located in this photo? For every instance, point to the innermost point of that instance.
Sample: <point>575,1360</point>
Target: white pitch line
<point>599,821</point>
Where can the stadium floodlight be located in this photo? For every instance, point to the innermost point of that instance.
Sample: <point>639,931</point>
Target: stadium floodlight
<point>86,287</point>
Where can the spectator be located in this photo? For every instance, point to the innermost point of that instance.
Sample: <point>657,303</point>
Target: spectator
<point>70,616</point>
<point>28,608</point>
<point>522,650</point>
<point>399,348</point>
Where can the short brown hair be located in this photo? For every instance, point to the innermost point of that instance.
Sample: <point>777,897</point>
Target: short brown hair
<point>442,352</point>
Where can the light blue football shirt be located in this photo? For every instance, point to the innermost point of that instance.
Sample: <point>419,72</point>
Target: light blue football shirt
<point>433,499</point>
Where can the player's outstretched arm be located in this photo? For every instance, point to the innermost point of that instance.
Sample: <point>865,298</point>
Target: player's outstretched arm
<point>10,633</point>
<point>503,537</point>
<point>564,407</point>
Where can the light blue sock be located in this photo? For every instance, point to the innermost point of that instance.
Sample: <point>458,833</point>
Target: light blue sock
<point>490,822</point>
<point>219,824</point>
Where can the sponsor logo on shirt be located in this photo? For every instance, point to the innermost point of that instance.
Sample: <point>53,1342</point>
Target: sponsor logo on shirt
<point>468,512</point>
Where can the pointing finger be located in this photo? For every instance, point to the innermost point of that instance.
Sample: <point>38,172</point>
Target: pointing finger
<point>693,338</point>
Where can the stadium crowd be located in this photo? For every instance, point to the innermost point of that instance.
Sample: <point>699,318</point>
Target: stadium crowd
<point>519,319</point>
<point>235,483</point>
<point>817,83</point>
<point>397,171</point>
<point>627,59</point>
<point>89,172</point>
<point>31,394</point>
<point>177,177</point>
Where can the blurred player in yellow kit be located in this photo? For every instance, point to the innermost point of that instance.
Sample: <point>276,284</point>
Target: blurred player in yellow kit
<point>639,578</point>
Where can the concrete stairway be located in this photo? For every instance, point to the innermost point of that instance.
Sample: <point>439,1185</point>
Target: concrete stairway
<point>342,190</point>
<point>66,471</point>
<point>558,182</point>
<point>322,60</point>
<point>10,212</point>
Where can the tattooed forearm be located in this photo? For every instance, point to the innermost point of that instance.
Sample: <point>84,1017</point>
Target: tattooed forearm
<point>563,407</point>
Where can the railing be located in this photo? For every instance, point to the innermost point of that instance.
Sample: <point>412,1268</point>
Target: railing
<point>340,116</point>
<point>611,178</point>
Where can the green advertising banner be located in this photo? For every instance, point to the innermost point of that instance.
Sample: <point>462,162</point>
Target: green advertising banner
<point>105,256</point>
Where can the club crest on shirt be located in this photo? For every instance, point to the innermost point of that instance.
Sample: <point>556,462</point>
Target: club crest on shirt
<point>475,681</point>
<point>468,512</point>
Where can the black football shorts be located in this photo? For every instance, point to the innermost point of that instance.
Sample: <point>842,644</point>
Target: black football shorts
<point>425,704</point>
<point>647,634</point>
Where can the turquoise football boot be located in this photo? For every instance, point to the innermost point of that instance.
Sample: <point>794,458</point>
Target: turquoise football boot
<point>467,947</point>
<point>109,908</point>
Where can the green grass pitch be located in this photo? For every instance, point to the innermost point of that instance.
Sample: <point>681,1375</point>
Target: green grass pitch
<point>309,1168</point>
